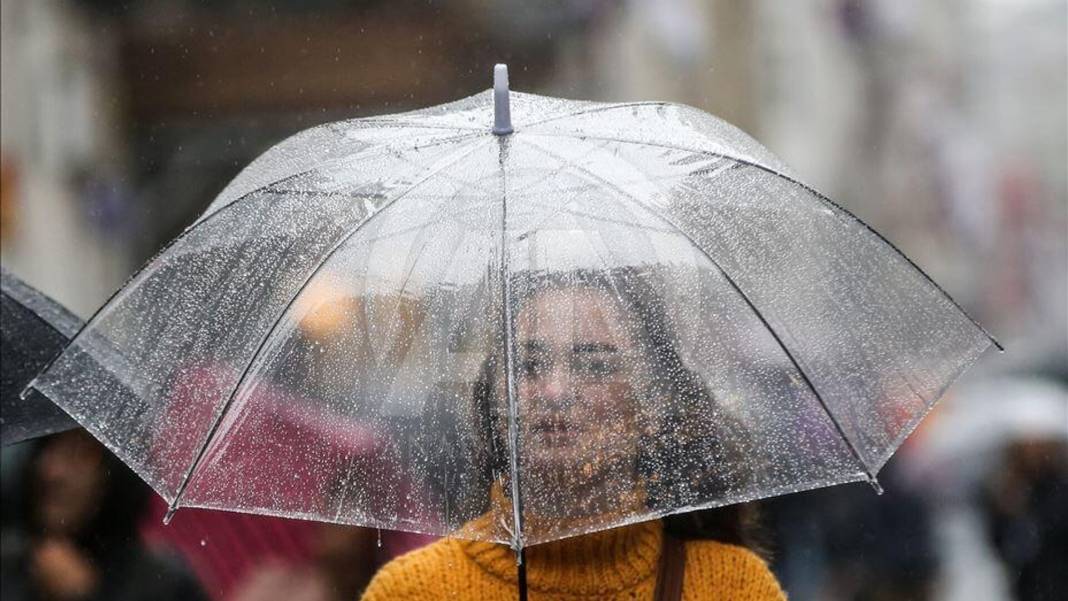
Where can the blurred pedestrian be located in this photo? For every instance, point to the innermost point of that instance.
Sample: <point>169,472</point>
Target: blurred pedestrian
<point>1026,509</point>
<point>75,537</point>
<point>848,543</point>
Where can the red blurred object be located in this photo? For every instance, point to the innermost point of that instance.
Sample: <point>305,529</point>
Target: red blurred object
<point>224,548</point>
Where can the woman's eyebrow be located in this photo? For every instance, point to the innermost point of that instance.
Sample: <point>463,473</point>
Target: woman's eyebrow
<point>535,346</point>
<point>594,347</point>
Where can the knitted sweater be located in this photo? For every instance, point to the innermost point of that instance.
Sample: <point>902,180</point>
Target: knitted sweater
<point>610,565</point>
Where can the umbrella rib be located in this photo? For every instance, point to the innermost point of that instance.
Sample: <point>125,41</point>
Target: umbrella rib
<point>382,151</point>
<point>525,188</point>
<point>509,360</point>
<point>567,210</point>
<point>814,192</point>
<point>556,171</point>
<point>559,211</point>
<point>379,122</point>
<point>596,109</point>
<point>173,506</point>
<point>760,316</point>
<point>341,194</point>
<point>422,225</point>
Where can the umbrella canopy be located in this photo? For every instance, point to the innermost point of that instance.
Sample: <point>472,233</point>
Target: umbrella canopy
<point>577,316</point>
<point>33,329</point>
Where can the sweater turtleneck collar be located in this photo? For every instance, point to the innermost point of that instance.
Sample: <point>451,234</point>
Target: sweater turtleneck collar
<point>590,564</point>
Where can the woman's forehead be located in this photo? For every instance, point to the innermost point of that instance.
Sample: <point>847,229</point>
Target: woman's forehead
<point>574,314</point>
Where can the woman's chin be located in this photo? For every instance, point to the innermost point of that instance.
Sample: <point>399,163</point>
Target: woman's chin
<point>568,468</point>
<point>557,462</point>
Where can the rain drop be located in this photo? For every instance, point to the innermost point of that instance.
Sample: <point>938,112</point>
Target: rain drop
<point>379,537</point>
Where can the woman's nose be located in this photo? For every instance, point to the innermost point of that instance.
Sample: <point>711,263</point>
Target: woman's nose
<point>554,385</point>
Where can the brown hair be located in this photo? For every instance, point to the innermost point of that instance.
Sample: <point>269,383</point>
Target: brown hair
<point>678,458</point>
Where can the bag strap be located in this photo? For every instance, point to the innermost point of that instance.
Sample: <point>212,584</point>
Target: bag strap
<point>672,569</point>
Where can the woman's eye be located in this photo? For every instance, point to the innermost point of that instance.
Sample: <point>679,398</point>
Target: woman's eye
<point>531,367</point>
<point>597,367</point>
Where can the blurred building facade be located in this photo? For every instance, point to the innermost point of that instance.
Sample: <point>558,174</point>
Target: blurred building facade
<point>60,123</point>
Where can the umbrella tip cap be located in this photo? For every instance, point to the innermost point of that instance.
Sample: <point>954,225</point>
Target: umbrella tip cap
<point>875,485</point>
<point>502,114</point>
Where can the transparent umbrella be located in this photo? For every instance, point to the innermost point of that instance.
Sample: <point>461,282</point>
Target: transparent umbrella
<point>514,318</point>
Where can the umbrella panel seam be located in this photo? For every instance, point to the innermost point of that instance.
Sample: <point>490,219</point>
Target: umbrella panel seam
<point>381,151</point>
<point>596,109</point>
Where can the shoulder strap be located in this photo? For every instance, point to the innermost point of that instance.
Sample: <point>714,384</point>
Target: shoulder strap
<point>672,569</point>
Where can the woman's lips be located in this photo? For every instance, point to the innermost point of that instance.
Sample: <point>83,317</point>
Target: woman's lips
<point>554,432</point>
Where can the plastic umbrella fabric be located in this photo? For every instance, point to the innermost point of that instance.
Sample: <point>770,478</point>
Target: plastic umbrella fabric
<point>514,318</point>
<point>33,330</point>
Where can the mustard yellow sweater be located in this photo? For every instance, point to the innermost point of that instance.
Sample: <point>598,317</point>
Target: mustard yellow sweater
<point>614,564</point>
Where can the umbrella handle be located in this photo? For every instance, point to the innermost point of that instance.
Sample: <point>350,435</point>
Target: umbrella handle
<point>502,112</point>
<point>521,575</point>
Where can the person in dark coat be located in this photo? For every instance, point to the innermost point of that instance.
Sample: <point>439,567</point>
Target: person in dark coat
<point>74,536</point>
<point>1024,505</point>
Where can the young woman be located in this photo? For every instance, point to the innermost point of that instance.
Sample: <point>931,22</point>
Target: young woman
<point>612,426</point>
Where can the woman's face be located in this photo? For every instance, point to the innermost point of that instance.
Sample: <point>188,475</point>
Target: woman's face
<point>575,381</point>
<point>69,481</point>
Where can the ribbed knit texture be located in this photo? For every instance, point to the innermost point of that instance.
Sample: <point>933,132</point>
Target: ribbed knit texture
<point>619,564</point>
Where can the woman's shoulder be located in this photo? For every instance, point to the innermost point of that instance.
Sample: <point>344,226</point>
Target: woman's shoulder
<point>416,574</point>
<point>734,572</point>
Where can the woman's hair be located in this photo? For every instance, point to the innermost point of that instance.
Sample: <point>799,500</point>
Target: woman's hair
<point>681,459</point>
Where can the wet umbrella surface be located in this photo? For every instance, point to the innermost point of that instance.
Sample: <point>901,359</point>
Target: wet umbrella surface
<point>583,316</point>
<point>33,330</point>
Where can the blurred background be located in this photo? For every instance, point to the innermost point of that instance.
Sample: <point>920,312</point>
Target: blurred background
<point>942,124</point>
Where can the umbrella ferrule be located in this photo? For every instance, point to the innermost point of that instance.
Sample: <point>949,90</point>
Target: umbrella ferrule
<point>502,112</point>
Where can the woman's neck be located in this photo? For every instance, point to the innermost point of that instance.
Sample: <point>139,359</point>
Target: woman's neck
<point>591,564</point>
<point>578,508</point>
<point>551,512</point>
